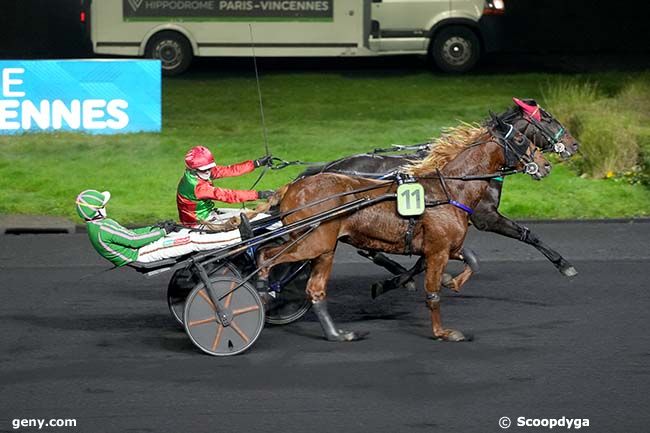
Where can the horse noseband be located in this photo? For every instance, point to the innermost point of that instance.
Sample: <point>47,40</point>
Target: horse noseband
<point>559,147</point>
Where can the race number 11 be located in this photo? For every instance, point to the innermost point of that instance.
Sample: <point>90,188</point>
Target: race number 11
<point>410,199</point>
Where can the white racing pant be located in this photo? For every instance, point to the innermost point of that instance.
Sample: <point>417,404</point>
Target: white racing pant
<point>187,241</point>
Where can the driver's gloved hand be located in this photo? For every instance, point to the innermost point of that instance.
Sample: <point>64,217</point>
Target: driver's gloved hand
<point>168,226</point>
<point>265,194</point>
<point>262,161</point>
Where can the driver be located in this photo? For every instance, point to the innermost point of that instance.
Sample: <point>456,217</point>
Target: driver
<point>195,193</point>
<point>121,246</point>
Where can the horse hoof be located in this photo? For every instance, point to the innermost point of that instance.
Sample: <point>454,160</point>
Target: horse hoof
<point>452,335</point>
<point>347,336</point>
<point>470,257</point>
<point>447,280</point>
<point>376,290</point>
<point>569,271</point>
<point>455,335</point>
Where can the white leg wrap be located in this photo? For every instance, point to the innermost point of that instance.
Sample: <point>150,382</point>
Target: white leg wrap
<point>185,242</point>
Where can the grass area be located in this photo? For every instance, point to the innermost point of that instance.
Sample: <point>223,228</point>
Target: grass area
<point>310,116</point>
<point>612,127</point>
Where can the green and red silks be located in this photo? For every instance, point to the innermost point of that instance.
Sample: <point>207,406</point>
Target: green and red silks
<point>195,196</point>
<point>118,244</point>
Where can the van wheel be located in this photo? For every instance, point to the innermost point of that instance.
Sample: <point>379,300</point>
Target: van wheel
<point>173,50</point>
<point>455,49</point>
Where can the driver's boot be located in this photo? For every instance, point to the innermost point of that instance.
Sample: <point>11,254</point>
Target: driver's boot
<point>245,228</point>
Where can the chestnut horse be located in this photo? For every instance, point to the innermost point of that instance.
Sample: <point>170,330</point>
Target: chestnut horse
<point>527,117</point>
<point>438,234</point>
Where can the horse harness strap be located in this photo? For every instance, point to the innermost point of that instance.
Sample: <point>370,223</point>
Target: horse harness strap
<point>408,236</point>
<point>450,200</point>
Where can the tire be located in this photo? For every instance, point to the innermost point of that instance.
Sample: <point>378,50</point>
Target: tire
<point>455,49</point>
<point>184,280</point>
<point>173,50</point>
<point>205,329</point>
<point>291,302</point>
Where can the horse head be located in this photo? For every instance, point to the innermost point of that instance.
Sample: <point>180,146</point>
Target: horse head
<point>548,134</point>
<point>520,152</point>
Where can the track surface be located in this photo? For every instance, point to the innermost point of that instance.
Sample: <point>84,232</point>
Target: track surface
<point>104,349</point>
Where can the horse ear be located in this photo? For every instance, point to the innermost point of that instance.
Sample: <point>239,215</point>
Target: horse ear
<point>497,120</point>
<point>530,109</point>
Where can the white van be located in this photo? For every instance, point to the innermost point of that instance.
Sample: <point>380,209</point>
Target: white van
<point>453,32</point>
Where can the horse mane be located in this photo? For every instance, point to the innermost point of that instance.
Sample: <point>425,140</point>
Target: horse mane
<point>446,147</point>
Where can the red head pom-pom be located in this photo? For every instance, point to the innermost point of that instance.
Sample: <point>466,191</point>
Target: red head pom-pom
<point>531,110</point>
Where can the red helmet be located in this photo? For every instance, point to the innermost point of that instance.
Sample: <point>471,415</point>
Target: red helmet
<point>199,158</point>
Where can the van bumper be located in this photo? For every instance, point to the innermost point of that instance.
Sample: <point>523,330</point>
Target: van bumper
<point>492,30</point>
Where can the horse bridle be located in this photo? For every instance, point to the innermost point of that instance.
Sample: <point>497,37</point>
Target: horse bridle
<point>520,155</point>
<point>553,139</point>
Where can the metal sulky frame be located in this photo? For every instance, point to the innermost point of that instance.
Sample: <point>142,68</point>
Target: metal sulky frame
<point>210,293</point>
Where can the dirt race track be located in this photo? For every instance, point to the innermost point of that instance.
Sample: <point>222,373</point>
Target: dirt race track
<point>103,349</point>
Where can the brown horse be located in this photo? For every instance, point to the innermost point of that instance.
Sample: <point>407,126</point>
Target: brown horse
<point>437,235</point>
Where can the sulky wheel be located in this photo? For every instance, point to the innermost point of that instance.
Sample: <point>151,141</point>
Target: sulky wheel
<point>243,307</point>
<point>290,302</point>
<point>184,280</point>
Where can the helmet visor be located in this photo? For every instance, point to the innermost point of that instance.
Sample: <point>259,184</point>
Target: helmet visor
<point>207,166</point>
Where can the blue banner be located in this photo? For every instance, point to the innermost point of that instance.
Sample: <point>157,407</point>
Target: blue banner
<point>92,96</point>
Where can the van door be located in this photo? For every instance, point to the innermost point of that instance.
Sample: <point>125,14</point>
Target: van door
<point>403,25</point>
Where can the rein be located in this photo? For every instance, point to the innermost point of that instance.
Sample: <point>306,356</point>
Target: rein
<point>279,163</point>
<point>500,174</point>
<point>279,216</point>
<point>403,148</point>
<point>530,167</point>
<point>471,177</point>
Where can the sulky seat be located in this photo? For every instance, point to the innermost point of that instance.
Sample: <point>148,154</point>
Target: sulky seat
<point>157,267</point>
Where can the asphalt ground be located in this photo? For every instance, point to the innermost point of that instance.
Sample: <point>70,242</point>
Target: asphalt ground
<point>101,347</point>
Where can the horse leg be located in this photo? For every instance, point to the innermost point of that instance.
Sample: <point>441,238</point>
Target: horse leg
<point>393,267</point>
<point>403,279</point>
<point>383,260</point>
<point>459,280</point>
<point>320,242</point>
<point>558,261</point>
<point>406,279</point>
<point>492,221</point>
<point>321,268</point>
<point>321,252</point>
<point>435,265</point>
